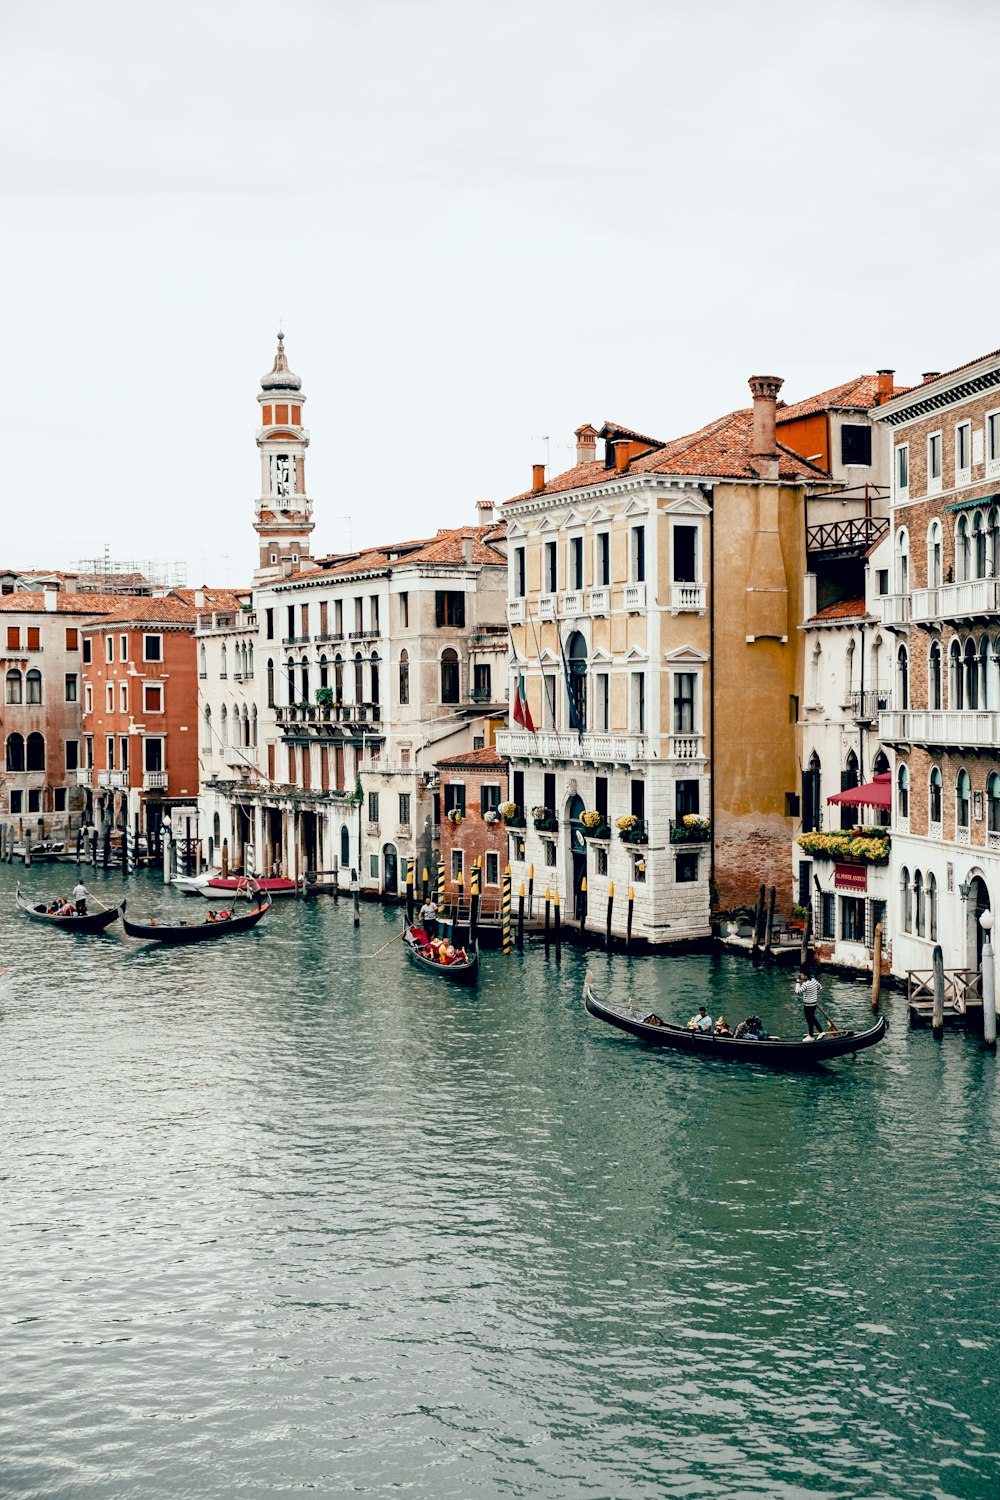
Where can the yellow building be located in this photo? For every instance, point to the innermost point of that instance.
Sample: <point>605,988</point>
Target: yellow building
<point>655,594</point>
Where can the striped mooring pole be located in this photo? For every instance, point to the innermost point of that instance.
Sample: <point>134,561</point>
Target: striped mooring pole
<point>474,906</point>
<point>505,910</point>
<point>520,918</point>
<point>409,889</point>
<point>558,926</point>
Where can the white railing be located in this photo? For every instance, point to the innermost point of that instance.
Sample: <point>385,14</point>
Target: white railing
<point>963,728</point>
<point>895,609</point>
<point>622,749</point>
<point>686,747</point>
<point>546,606</point>
<point>516,611</point>
<point>993,838</point>
<point>977,596</point>
<point>901,824</point>
<point>114,780</point>
<point>84,776</point>
<point>635,596</point>
<point>688,597</point>
<point>962,834</point>
<point>934,831</point>
<point>572,604</point>
<point>154,781</point>
<point>238,755</point>
<point>600,601</point>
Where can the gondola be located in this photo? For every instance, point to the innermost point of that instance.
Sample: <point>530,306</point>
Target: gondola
<point>218,886</point>
<point>459,972</point>
<point>93,921</point>
<point>196,932</point>
<point>774,1052</point>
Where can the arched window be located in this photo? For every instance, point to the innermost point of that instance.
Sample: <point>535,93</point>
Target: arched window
<point>202,661</point>
<point>903,677</point>
<point>905,900</point>
<point>304,670</point>
<point>345,847</point>
<point>290,673</point>
<point>993,548</point>
<point>963,551</point>
<point>250,659</point>
<point>815,673</point>
<point>338,679</point>
<point>963,795</point>
<point>849,778</point>
<point>879,668</point>
<point>15,752</point>
<point>849,668</point>
<point>934,675</point>
<point>812,805</point>
<point>935,795</point>
<point>33,685</point>
<point>376,686</point>
<point>918,902</point>
<point>13,686</point>
<point>253,727</point>
<point>404,677</point>
<point>324,671</point>
<point>449,676</point>
<point>956,682</point>
<point>234,726</point>
<point>983,670</point>
<point>903,792</point>
<point>979,543</point>
<point>934,555</point>
<point>223,660</point>
<point>902,561</point>
<point>359,679</point>
<point>224,725</point>
<point>577,658</point>
<point>35,760</point>
<point>245,727</point>
<point>270,682</point>
<point>993,802</point>
<point>932,931</point>
<point>206,732</point>
<point>971,664</point>
<point>880,764</point>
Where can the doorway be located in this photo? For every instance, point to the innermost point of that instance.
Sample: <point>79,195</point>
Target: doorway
<point>389,866</point>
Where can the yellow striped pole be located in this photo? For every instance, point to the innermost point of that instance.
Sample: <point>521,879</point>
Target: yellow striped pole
<point>583,905</point>
<point>425,880</point>
<point>409,888</point>
<point>520,918</point>
<point>558,924</point>
<point>628,923</point>
<point>505,910</point>
<point>440,891</point>
<point>474,906</point>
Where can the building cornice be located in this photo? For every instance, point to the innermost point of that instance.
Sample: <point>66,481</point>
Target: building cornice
<point>939,394</point>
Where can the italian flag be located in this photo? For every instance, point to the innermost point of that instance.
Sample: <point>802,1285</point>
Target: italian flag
<point>522,713</point>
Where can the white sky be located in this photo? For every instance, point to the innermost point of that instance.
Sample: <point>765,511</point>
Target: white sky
<point>479,223</point>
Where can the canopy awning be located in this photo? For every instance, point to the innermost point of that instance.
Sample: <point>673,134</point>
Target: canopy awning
<point>877,793</point>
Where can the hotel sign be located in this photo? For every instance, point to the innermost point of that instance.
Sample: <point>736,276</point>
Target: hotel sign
<point>850,877</point>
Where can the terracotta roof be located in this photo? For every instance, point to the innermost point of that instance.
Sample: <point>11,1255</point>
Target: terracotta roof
<point>446,547</point>
<point>615,429</point>
<point>859,394</point>
<point>66,604</point>
<point>214,598</point>
<point>844,609</point>
<point>485,759</point>
<point>947,374</point>
<point>145,611</point>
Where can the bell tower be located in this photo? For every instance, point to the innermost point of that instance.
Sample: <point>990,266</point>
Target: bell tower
<point>284,511</point>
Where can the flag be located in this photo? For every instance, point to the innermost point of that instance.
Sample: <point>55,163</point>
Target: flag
<point>574,717</point>
<point>522,713</point>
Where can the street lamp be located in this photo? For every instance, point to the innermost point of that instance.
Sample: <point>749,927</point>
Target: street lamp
<point>965,889</point>
<point>989,983</point>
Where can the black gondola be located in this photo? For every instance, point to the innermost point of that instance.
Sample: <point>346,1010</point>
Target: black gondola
<point>459,971</point>
<point>774,1052</point>
<point>197,932</point>
<point>91,921</point>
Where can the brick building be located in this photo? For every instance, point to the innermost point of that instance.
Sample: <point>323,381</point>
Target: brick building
<point>473,789</point>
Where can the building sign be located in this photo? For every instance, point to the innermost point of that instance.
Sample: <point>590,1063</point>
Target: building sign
<point>850,877</point>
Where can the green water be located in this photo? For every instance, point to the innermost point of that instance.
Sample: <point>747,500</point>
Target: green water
<point>277,1217</point>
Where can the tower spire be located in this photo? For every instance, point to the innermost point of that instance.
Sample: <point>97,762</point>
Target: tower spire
<point>283,511</point>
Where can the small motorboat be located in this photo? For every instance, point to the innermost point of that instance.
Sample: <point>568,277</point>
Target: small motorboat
<point>274,885</point>
<point>197,932</point>
<point>461,967</point>
<point>193,885</point>
<point>773,1051</point>
<point>91,921</point>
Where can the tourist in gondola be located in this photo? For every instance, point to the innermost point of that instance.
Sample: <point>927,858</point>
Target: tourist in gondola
<point>722,1027</point>
<point>702,1021</point>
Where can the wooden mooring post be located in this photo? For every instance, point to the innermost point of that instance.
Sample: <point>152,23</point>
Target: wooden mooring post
<point>877,967</point>
<point>937,1014</point>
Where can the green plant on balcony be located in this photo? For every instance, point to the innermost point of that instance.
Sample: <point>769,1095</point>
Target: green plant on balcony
<point>512,815</point>
<point>691,829</point>
<point>595,825</point>
<point>324,697</point>
<point>862,846</point>
<point>544,819</point>
<point>630,829</point>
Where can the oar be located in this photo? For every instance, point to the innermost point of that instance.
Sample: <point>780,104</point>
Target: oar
<point>829,1021</point>
<point>395,939</point>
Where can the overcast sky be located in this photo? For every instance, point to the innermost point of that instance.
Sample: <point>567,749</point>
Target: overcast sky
<point>480,224</point>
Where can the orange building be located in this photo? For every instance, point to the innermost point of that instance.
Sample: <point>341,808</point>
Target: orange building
<point>140,710</point>
<point>473,790</point>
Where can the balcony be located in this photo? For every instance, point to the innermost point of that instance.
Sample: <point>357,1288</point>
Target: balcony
<point>688,598</point>
<point>868,705</point>
<point>635,597</point>
<point>956,601</point>
<point>572,603</point>
<point>112,780</point>
<point>959,729</point>
<point>687,747</point>
<point>600,601</point>
<point>895,609</point>
<point>295,640</point>
<point>617,749</point>
<point>240,756</point>
<point>84,776</point>
<point>154,781</point>
<point>699,831</point>
<point>517,612</point>
<point>328,635</point>
<point>481,695</point>
<point>316,715</point>
<point>546,606</point>
<point>373,633</point>
<point>849,538</point>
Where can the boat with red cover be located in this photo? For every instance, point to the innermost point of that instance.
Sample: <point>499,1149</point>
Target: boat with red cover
<point>274,885</point>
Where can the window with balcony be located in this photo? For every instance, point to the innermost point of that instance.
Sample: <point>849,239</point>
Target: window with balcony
<point>550,580</point>
<point>956,678</point>
<point>602,703</point>
<point>359,678</point>
<point>902,561</point>
<point>152,753</point>
<point>520,574</point>
<point>548,700</point>
<point>934,462</point>
<point>576,655</point>
<point>684,562</point>
<point>934,555</point>
<point>109,751</point>
<point>903,678</point>
<point>934,797</point>
<point>576,562</point>
<point>123,751</point>
<point>637,554</point>
<point>684,702</point>
<point>934,676</point>
<point>638,703</point>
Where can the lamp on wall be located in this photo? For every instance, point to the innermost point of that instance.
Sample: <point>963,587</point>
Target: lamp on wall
<point>965,889</point>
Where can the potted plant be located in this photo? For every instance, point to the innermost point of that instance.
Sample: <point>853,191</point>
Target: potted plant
<point>544,819</point>
<point>491,816</point>
<point>454,815</point>
<point>595,825</point>
<point>512,815</point>
<point>324,697</point>
<point>630,829</point>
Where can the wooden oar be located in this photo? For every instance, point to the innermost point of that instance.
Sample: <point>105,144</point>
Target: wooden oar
<point>397,938</point>
<point>829,1021</point>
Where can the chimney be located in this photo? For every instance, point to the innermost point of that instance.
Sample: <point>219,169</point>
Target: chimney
<point>765,390</point>
<point>586,444</point>
<point>286,567</point>
<point>51,592</point>
<point>886,388</point>
<point>930,375</point>
<point>484,512</point>
<point>199,598</point>
<point>623,455</point>
<point>537,478</point>
<point>467,549</point>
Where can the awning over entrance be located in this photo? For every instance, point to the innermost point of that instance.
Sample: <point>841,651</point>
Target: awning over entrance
<point>877,793</point>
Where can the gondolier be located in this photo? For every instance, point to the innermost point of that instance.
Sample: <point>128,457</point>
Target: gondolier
<point>808,990</point>
<point>80,897</point>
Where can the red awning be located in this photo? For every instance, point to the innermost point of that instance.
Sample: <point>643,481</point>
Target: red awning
<point>877,793</point>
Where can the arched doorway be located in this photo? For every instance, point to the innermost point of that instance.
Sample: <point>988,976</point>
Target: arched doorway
<point>389,865</point>
<point>577,851</point>
<point>345,847</point>
<point>577,659</point>
<point>977,900</point>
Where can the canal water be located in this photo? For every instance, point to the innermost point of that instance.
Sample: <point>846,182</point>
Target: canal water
<point>281,1216</point>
